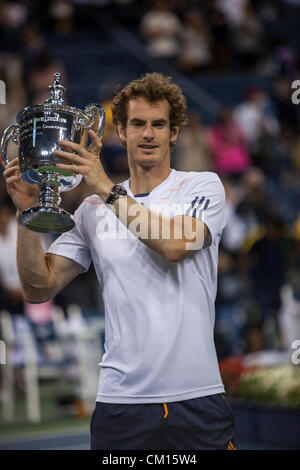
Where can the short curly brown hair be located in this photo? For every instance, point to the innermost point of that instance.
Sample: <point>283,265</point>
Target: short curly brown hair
<point>153,87</point>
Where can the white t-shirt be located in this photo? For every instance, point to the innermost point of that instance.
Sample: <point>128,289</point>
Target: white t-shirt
<point>159,315</point>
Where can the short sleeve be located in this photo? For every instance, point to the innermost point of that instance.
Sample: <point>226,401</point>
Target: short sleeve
<point>73,244</point>
<point>204,198</point>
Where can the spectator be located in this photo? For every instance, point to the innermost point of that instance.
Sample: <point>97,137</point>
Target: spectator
<point>11,73</point>
<point>195,52</point>
<point>113,154</point>
<point>114,157</point>
<point>235,229</point>
<point>233,10</point>
<point>62,14</point>
<point>267,271</point>
<point>161,28</point>
<point>255,116</point>
<point>229,313</point>
<point>248,39</point>
<point>228,146</point>
<point>220,34</point>
<point>282,179</point>
<point>40,76</point>
<point>13,16</point>
<point>10,288</point>
<point>33,42</point>
<point>284,60</point>
<point>246,211</point>
<point>192,149</point>
<point>288,113</point>
<point>253,202</point>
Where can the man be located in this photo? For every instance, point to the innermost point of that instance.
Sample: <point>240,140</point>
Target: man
<point>160,386</point>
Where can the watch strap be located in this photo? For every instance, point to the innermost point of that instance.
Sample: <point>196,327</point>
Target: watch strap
<point>116,192</point>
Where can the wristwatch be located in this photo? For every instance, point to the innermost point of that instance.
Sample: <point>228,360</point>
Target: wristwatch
<point>115,193</point>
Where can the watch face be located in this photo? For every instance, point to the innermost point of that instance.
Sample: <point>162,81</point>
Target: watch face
<point>120,190</point>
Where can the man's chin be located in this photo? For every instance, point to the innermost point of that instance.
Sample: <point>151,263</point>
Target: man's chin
<point>148,162</point>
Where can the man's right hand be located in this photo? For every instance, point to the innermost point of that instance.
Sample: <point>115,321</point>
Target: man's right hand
<point>24,195</point>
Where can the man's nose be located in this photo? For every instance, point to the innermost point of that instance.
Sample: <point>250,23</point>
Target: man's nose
<point>148,132</point>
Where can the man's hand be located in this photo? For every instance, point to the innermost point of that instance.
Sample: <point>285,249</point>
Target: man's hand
<point>24,195</point>
<point>87,163</point>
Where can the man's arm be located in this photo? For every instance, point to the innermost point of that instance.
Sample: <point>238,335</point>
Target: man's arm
<point>42,275</point>
<point>174,238</point>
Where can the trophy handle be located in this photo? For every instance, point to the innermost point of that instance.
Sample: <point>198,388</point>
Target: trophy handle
<point>96,118</point>
<point>12,132</point>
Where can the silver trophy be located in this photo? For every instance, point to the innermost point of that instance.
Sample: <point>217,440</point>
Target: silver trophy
<point>37,132</point>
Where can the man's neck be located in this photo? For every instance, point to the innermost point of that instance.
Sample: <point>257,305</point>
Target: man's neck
<point>144,181</point>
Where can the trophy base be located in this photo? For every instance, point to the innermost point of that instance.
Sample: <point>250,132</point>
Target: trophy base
<point>46,219</point>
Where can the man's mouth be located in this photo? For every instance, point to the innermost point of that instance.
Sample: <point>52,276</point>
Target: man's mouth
<point>148,147</point>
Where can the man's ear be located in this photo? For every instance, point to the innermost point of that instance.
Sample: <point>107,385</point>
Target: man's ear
<point>174,134</point>
<point>121,134</point>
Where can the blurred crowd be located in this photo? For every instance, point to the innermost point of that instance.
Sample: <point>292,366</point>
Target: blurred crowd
<point>254,148</point>
<point>254,145</point>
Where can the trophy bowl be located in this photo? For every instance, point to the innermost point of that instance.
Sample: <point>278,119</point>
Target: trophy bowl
<point>37,133</point>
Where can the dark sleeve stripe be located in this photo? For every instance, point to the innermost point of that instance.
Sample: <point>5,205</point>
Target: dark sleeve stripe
<point>194,201</point>
<point>194,212</point>
<point>206,204</point>
<point>196,204</point>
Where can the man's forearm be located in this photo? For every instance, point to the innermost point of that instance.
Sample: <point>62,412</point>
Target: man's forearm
<point>33,269</point>
<point>167,236</point>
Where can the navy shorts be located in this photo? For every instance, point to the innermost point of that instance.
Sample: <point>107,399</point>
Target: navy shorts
<point>197,424</point>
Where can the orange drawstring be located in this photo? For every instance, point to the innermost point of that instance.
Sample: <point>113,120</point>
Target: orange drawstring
<point>166,410</point>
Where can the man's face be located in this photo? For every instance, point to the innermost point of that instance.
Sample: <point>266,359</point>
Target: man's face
<point>147,134</point>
